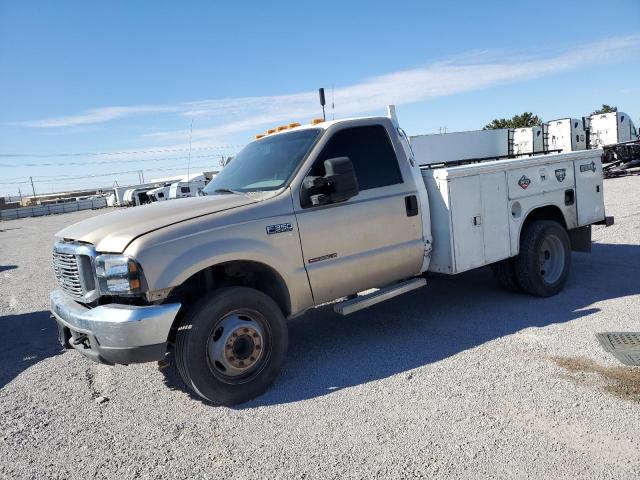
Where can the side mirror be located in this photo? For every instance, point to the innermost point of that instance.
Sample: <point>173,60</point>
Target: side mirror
<point>337,185</point>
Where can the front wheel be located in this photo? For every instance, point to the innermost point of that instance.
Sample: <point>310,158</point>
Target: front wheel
<point>544,261</point>
<point>230,346</point>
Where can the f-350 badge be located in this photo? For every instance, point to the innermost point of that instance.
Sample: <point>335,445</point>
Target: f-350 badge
<point>524,182</point>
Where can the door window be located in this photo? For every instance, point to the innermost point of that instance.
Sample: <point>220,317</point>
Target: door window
<point>371,153</point>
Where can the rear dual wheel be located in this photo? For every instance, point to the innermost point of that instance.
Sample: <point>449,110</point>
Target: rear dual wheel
<point>231,345</point>
<point>543,264</point>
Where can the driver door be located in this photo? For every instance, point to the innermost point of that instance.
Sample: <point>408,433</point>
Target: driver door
<point>371,239</point>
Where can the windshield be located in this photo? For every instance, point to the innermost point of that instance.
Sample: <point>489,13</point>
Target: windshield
<point>265,164</point>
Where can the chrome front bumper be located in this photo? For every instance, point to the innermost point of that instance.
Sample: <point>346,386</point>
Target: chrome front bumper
<point>114,333</point>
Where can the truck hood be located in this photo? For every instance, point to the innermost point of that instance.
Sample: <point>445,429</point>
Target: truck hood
<point>112,232</point>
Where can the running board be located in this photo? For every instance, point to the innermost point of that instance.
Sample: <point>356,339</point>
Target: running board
<point>353,305</point>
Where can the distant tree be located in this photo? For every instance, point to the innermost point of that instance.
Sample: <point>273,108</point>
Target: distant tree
<point>527,119</point>
<point>605,109</point>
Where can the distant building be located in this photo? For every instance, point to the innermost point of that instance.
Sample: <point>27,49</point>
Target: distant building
<point>5,205</point>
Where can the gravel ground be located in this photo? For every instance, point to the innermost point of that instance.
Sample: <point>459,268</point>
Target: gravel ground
<point>458,379</point>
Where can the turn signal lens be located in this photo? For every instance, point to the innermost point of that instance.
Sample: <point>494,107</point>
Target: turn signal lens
<point>282,127</point>
<point>316,121</point>
<point>294,125</point>
<point>270,131</point>
<point>259,136</point>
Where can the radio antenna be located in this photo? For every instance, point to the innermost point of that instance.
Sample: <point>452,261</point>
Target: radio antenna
<point>333,105</point>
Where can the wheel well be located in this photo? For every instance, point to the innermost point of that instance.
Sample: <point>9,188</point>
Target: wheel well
<point>239,274</point>
<point>549,212</point>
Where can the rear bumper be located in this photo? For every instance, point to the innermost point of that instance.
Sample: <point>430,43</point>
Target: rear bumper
<point>114,333</point>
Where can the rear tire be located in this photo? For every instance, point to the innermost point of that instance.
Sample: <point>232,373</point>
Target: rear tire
<point>543,265</point>
<point>231,345</point>
<point>505,273</point>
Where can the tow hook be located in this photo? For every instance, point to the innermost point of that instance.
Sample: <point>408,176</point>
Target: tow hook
<point>81,339</point>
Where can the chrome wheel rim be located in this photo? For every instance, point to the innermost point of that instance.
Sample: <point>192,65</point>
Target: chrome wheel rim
<point>551,259</point>
<point>236,346</point>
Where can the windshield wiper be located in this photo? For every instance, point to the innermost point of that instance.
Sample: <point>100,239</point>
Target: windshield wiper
<point>228,190</point>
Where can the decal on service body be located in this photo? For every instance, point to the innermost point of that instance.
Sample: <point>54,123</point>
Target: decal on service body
<point>588,167</point>
<point>561,174</point>
<point>524,182</point>
<point>279,228</point>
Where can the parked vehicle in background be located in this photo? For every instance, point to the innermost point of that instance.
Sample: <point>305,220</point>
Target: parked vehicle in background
<point>455,146</point>
<point>610,128</point>
<point>567,134</point>
<point>186,189</point>
<point>159,194</point>
<point>337,211</point>
<point>137,196</point>
<point>530,140</point>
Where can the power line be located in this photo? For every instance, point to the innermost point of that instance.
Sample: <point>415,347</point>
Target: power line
<point>98,175</point>
<point>64,178</point>
<point>129,152</point>
<point>100,162</point>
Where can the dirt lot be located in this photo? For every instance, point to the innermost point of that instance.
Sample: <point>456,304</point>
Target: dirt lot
<point>459,379</point>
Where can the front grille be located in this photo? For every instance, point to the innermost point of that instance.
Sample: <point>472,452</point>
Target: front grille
<point>65,266</point>
<point>74,270</point>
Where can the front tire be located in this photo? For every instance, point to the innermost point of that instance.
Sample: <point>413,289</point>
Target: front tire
<point>543,265</point>
<point>231,345</point>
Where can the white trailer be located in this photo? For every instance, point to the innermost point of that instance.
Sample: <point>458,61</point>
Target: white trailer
<point>186,189</point>
<point>159,194</point>
<point>530,140</point>
<point>136,196</point>
<point>567,134</point>
<point>610,129</point>
<point>442,148</point>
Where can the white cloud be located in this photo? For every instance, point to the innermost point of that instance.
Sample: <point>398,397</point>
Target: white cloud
<point>461,74</point>
<point>98,115</point>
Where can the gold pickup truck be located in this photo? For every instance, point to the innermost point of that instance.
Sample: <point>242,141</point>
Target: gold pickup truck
<point>301,217</point>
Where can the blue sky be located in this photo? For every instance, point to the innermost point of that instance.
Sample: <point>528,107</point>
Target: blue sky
<point>88,88</point>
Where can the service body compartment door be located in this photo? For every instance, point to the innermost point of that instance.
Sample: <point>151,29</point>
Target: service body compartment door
<point>495,217</point>
<point>589,195</point>
<point>540,179</point>
<point>466,219</point>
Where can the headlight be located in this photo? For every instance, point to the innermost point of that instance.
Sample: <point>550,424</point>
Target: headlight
<point>118,275</point>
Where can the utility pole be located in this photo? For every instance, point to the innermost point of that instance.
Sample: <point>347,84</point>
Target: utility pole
<point>20,194</point>
<point>33,189</point>
<point>189,160</point>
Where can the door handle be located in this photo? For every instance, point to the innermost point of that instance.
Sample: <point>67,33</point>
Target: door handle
<point>411,204</point>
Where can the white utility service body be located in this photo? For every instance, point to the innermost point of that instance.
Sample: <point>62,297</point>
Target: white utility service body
<point>477,209</point>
